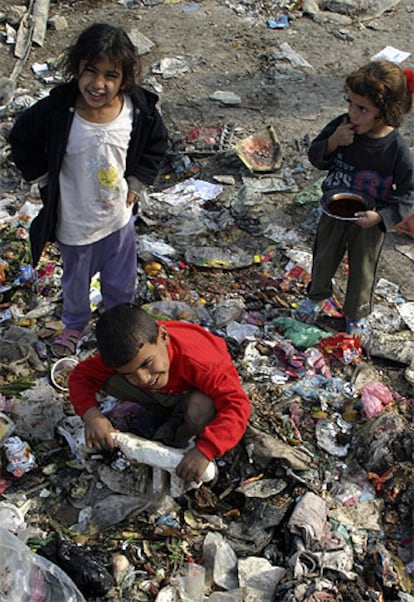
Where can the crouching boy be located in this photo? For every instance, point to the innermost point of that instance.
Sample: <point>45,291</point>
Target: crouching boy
<point>179,373</point>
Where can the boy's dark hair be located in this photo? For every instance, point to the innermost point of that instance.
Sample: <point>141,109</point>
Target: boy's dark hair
<point>121,331</point>
<point>385,84</point>
<point>99,40</point>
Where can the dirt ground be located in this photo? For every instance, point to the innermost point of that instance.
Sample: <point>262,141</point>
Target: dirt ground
<point>228,47</point>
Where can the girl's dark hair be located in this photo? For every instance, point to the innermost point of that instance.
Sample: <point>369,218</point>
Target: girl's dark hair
<point>121,331</point>
<point>385,84</point>
<point>99,40</point>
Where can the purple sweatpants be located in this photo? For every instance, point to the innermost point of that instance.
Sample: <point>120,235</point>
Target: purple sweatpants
<point>115,257</point>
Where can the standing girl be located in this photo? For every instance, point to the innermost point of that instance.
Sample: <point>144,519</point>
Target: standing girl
<point>363,151</point>
<point>91,146</point>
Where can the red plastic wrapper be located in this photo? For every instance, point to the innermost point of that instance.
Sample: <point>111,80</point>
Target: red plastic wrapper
<point>344,347</point>
<point>316,363</point>
<point>296,278</point>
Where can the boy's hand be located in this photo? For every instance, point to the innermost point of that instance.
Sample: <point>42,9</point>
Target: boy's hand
<point>367,219</point>
<point>98,430</point>
<point>192,466</point>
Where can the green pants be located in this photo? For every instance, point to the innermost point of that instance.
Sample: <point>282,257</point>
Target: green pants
<point>333,239</point>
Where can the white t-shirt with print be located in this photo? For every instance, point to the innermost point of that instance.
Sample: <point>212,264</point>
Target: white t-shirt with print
<point>93,190</point>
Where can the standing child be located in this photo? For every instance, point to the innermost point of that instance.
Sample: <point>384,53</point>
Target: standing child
<point>91,146</point>
<point>181,376</point>
<point>363,151</point>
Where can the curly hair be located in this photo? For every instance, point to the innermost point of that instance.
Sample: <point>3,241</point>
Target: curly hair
<point>385,85</point>
<point>104,40</point>
<point>121,331</point>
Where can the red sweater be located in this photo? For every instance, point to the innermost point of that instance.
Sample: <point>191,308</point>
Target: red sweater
<point>198,360</point>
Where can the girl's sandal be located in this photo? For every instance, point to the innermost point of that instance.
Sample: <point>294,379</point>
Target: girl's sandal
<point>307,312</point>
<point>66,343</point>
<point>356,327</point>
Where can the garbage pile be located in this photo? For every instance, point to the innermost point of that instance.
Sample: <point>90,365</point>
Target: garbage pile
<point>314,504</point>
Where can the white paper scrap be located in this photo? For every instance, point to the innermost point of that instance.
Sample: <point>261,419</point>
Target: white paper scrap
<point>392,54</point>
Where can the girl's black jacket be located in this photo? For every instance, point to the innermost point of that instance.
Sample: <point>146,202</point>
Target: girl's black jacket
<point>38,141</point>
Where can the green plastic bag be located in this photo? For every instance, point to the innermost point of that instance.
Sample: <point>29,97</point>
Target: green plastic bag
<point>302,335</point>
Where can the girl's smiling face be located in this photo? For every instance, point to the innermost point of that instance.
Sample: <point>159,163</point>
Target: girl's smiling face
<point>100,83</point>
<point>151,366</point>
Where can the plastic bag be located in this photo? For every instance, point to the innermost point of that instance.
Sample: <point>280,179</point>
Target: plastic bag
<point>89,574</point>
<point>191,583</point>
<point>170,310</point>
<point>25,576</point>
<point>375,398</point>
<point>302,335</point>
